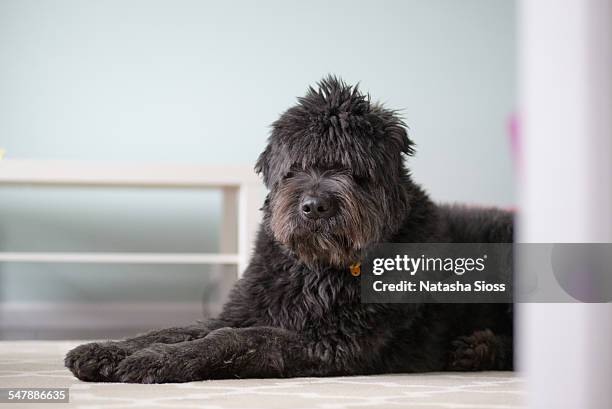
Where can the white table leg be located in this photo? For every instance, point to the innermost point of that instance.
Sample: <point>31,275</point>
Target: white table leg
<point>250,200</point>
<point>228,234</point>
<point>225,276</point>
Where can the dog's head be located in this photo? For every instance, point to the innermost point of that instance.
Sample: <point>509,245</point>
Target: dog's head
<point>334,167</point>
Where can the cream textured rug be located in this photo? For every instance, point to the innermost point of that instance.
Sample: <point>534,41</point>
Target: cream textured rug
<point>28,364</point>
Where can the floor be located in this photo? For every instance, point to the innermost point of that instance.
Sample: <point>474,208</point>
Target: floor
<point>27,364</point>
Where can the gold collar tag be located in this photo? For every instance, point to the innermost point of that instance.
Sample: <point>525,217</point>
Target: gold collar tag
<point>355,269</point>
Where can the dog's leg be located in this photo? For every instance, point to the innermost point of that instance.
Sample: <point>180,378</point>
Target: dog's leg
<point>97,361</point>
<point>226,353</point>
<point>481,351</point>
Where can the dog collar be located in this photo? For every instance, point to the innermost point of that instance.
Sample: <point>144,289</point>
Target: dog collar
<point>355,269</point>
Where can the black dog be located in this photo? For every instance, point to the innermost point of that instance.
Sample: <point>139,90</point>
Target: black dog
<point>334,165</point>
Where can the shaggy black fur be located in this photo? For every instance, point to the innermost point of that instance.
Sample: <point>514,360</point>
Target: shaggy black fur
<point>334,165</point>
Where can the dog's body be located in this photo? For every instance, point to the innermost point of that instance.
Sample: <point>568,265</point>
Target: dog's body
<point>334,166</point>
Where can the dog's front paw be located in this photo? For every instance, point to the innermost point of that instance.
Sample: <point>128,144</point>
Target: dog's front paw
<point>95,362</point>
<point>476,352</point>
<point>154,364</point>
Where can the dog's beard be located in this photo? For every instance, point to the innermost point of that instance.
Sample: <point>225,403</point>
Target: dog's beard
<point>322,248</point>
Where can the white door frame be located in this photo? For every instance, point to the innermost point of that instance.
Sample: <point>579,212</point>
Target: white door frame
<point>565,187</point>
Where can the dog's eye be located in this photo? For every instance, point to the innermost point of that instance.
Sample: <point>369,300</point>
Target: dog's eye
<point>360,180</point>
<point>289,175</point>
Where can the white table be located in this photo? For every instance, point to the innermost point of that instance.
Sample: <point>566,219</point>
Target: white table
<point>242,190</point>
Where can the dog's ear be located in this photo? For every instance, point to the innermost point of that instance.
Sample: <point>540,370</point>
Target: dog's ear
<point>273,164</point>
<point>391,127</point>
<point>262,166</point>
<point>399,135</point>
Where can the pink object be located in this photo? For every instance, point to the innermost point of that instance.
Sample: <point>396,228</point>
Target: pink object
<point>514,130</point>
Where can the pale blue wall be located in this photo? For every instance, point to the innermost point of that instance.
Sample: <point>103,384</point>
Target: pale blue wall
<point>200,82</point>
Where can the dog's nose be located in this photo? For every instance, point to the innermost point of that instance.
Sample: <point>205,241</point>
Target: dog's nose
<point>317,207</point>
